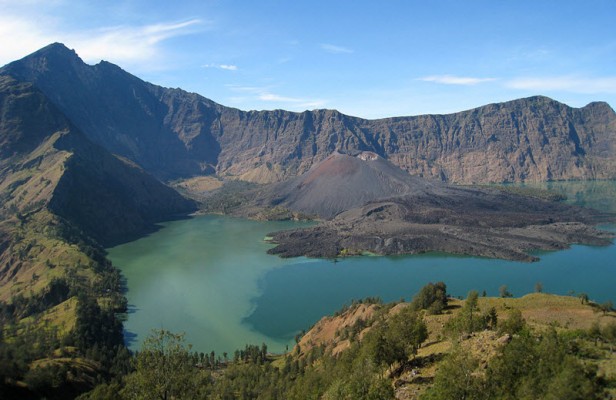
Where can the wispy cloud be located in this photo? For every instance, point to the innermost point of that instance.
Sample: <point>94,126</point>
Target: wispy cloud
<point>25,36</point>
<point>265,94</point>
<point>330,48</point>
<point>574,84</point>
<point>125,44</point>
<point>455,80</point>
<point>295,102</point>
<point>228,67</point>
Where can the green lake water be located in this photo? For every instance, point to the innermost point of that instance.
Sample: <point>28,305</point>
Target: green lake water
<point>210,277</point>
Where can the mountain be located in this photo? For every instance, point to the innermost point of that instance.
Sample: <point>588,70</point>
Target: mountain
<point>369,205</point>
<point>47,163</point>
<point>174,134</point>
<point>341,182</point>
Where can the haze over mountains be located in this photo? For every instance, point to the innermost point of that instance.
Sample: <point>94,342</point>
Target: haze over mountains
<point>174,134</point>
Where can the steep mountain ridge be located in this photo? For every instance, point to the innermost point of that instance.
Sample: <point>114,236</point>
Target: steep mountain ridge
<point>175,134</point>
<point>46,162</point>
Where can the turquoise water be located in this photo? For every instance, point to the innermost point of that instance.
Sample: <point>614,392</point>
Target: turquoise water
<point>210,277</point>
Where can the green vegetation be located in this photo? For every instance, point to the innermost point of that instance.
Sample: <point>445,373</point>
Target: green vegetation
<point>434,346</point>
<point>59,334</point>
<point>432,297</point>
<point>164,369</point>
<point>229,197</point>
<point>469,319</point>
<point>531,366</point>
<point>490,357</point>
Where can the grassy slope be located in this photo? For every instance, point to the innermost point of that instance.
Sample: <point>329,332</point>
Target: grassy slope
<point>37,250</point>
<point>541,311</point>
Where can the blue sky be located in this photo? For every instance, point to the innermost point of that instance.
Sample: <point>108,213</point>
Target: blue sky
<point>365,58</point>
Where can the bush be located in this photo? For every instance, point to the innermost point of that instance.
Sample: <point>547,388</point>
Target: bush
<point>431,297</point>
<point>514,324</point>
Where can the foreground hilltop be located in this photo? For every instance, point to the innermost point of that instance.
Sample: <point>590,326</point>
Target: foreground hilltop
<point>433,348</point>
<point>174,134</point>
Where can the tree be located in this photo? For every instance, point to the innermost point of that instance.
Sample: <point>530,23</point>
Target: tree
<point>467,321</point>
<point>431,297</point>
<point>163,370</point>
<point>514,324</point>
<point>504,292</point>
<point>408,331</point>
<point>471,305</point>
<point>455,379</point>
<point>541,367</point>
<point>95,326</point>
<point>396,340</point>
<point>491,318</point>
<point>606,307</point>
<point>583,298</point>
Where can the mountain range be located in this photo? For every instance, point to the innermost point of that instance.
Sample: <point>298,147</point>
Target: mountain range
<point>173,134</point>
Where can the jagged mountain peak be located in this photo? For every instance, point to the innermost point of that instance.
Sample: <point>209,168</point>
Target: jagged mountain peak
<point>51,58</point>
<point>56,48</point>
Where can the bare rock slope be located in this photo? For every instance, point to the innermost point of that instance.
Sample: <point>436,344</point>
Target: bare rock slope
<point>341,182</point>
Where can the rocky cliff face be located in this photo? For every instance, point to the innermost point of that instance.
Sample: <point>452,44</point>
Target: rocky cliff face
<point>172,133</point>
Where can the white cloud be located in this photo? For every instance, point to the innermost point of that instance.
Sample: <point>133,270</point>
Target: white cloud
<point>264,94</point>
<point>20,37</point>
<point>275,97</point>
<point>247,89</point>
<point>330,48</point>
<point>291,101</point>
<point>23,32</point>
<point>127,44</point>
<point>574,84</point>
<point>455,80</point>
<point>228,67</point>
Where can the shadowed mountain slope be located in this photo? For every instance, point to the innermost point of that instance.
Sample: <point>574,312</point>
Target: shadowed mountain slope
<point>46,163</point>
<point>175,134</point>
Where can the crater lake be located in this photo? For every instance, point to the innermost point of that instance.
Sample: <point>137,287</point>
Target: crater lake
<point>211,278</point>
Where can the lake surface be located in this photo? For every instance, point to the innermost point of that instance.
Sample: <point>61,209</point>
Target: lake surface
<point>210,277</point>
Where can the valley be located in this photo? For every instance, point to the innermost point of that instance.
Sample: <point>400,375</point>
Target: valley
<point>94,161</point>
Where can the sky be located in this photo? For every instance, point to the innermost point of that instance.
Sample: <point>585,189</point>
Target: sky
<point>370,59</point>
